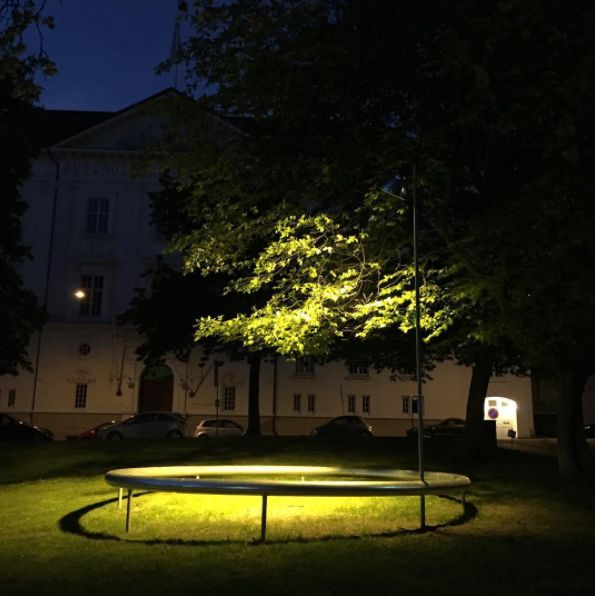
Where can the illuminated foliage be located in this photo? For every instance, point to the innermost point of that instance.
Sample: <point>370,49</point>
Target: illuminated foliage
<point>324,285</point>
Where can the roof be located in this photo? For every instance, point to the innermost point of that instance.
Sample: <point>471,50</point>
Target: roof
<point>59,125</point>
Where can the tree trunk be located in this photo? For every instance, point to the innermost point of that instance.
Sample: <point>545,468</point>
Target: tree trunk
<point>253,395</point>
<point>478,388</point>
<point>575,460</point>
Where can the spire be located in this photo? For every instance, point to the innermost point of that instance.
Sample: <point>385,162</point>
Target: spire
<point>176,43</point>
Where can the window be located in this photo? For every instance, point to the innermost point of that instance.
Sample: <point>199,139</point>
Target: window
<point>140,419</point>
<point>230,424</point>
<point>365,404</point>
<point>80,396</point>
<point>97,216</point>
<point>311,402</point>
<point>166,418</point>
<point>92,286</point>
<point>405,404</point>
<point>357,369</point>
<point>304,366</point>
<point>229,399</point>
<point>351,404</point>
<point>297,402</point>
<point>12,397</point>
<point>414,405</point>
<point>83,349</point>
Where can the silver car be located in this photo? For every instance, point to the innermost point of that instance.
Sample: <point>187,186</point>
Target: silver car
<point>148,425</point>
<point>218,428</point>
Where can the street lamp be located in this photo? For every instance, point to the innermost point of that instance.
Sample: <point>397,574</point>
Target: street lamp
<point>397,187</point>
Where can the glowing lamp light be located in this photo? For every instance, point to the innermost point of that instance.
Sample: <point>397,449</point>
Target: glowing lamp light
<point>396,186</point>
<point>80,295</point>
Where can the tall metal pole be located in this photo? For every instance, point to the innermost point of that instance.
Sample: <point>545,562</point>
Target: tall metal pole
<point>418,357</point>
<point>46,291</point>
<point>275,374</point>
<point>418,351</point>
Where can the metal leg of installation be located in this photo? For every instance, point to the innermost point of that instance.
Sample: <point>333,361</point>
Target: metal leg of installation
<point>128,509</point>
<point>263,519</point>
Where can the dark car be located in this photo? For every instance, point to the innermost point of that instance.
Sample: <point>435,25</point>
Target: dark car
<point>92,432</point>
<point>13,429</point>
<point>344,426</point>
<point>450,428</point>
<point>590,430</point>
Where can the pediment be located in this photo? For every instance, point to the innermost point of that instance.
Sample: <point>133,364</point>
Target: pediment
<point>129,130</point>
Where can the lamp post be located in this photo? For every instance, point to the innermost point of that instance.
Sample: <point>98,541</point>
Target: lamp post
<point>388,188</point>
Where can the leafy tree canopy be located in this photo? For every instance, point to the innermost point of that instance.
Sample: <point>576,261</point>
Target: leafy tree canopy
<point>492,101</point>
<point>19,309</point>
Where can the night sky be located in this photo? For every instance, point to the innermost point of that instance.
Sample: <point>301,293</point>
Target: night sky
<point>106,52</point>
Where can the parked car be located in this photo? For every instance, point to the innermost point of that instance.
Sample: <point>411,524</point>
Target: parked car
<point>450,428</point>
<point>147,425</point>
<point>590,430</point>
<point>218,428</point>
<point>93,432</point>
<point>13,429</point>
<point>344,427</point>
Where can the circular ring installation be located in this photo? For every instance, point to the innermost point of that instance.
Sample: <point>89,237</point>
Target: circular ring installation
<point>265,481</point>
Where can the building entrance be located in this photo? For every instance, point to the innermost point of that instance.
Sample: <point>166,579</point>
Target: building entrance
<point>156,388</point>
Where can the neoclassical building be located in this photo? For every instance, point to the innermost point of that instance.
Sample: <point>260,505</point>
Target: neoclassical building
<point>88,225</point>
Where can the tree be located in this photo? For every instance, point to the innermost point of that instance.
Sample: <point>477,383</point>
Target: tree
<point>492,102</point>
<point>525,249</point>
<point>166,313</point>
<point>19,309</point>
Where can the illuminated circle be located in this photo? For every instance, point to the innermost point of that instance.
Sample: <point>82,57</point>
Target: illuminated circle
<point>493,413</point>
<point>266,481</point>
<point>286,481</point>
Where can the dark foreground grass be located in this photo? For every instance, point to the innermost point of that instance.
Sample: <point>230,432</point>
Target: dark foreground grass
<point>61,532</point>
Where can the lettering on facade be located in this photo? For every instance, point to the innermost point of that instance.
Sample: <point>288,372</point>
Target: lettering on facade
<point>95,168</point>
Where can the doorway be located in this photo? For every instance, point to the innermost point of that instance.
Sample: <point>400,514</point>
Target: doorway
<point>156,389</point>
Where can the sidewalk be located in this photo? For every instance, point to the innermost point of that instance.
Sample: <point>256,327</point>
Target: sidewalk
<point>541,445</point>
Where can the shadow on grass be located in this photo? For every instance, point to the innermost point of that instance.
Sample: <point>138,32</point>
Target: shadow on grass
<point>71,523</point>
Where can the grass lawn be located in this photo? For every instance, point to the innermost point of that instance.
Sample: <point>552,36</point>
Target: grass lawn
<point>61,532</point>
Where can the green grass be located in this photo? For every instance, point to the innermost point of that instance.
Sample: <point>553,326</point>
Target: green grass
<point>61,531</point>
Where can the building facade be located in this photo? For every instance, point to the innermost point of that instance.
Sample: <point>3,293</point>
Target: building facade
<point>89,228</point>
